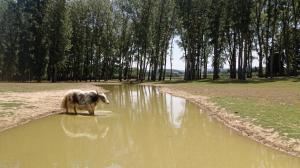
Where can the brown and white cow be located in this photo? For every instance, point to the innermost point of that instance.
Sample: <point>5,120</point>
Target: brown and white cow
<point>82,100</point>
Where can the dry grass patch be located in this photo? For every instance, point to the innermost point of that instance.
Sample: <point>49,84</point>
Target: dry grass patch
<point>35,87</point>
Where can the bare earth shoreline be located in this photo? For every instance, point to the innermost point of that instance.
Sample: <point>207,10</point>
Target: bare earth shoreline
<point>45,103</point>
<point>34,105</point>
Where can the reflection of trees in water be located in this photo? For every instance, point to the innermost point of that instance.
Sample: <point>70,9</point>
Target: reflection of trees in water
<point>146,120</point>
<point>145,102</point>
<point>176,110</point>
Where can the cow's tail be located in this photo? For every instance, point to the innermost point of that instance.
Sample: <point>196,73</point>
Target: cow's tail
<point>64,102</point>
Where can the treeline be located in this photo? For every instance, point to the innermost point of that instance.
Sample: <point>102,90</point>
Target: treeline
<point>232,31</point>
<point>85,40</point>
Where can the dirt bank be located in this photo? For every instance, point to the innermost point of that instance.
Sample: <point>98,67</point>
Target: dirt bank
<point>21,107</point>
<point>268,137</point>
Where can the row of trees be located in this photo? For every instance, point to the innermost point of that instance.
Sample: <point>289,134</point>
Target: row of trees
<point>85,39</point>
<point>35,37</point>
<point>233,30</point>
<point>103,39</point>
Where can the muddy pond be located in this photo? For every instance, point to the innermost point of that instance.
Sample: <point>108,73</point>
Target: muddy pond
<point>141,128</point>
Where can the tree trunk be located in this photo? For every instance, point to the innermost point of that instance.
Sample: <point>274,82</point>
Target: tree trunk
<point>269,10</point>
<point>233,59</point>
<point>258,11</point>
<point>240,61</point>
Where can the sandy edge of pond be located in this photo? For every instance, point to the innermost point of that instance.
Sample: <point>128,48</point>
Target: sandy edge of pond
<point>268,137</point>
<point>35,105</point>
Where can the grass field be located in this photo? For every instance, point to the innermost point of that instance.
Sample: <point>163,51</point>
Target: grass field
<point>269,103</point>
<point>34,87</point>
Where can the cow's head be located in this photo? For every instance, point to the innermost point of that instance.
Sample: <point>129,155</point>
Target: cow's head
<point>103,98</point>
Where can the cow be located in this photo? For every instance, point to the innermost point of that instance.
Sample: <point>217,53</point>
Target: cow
<point>82,100</point>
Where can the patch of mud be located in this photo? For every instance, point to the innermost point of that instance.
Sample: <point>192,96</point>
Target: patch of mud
<point>268,137</point>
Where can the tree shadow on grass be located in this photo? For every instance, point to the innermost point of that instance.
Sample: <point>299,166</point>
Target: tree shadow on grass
<point>235,81</point>
<point>297,79</point>
<point>175,81</point>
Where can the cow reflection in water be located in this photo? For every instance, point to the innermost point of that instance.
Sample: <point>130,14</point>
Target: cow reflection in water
<point>83,127</point>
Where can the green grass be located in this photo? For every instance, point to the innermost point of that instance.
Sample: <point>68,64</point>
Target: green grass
<point>255,81</point>
<point>284,118</point>
<point>291,84</point>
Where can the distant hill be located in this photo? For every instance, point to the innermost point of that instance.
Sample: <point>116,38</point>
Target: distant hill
<point>175,72</point>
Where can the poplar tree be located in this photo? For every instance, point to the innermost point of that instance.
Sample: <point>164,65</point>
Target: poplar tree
<point>58,35</point>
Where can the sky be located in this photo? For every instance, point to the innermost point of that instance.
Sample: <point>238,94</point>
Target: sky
<point>177,54</point>
<point>179,63</point>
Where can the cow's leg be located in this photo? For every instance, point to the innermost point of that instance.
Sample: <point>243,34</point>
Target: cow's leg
<point>91,110</point>
<point>66,105</point>
<point>75,109</point>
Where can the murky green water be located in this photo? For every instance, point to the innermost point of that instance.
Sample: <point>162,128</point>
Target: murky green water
<point>139,129</point>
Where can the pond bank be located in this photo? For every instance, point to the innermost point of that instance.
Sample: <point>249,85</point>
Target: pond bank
<point>18,108</point>
<point>268,137</point>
